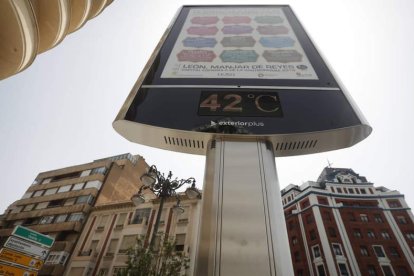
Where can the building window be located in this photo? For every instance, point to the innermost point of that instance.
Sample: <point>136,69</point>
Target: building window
<point>28,207</point>
<point>304,203</point>
<point>337,249</point>
<point>112,247</point>
<point>46,180</point>
<point>42,205</point>
<point>372,271</point>
<point>27,195</point>
<point>84,199</point>
<point>93,184</point>
<point>364,217</point>
<point>394,252</point>
<point>18,222</point>
<point>102,272</point>
<point>101,170</point>
<point>402,219</point>
<point>351,191</point>
<point>312,235</point>
<point>56,203</point>
<point>363,191</point>
<point>85,173</point>
<point>78,186</point>
<point>70,201</point>
<point>65,188</point>
<point>61,218</point>
<point>38,193</point>
<point>321,270</point>
<point>323,200</point>
<point>387,270</point>
<point>343,269</point>
<point>121,219</point>
<point>357,233</point>
<point>179,242</point>
<point>402,271</point>
<point>371,234</point>
<point>394,203</point>
<point>46,220</point>
<point>296,256</point>
<point>51,191</point>
<point>141,215</point>
<point>332,232</point>
<point>378,218</point>
<point>291,224</point>
<point>76,217</point>
<point>102,222</point>
<point>379,251</point>
<point>127,242</point>
<point>326,216</point>
<point>364,251</point>
<point>119,270</point>
<point>316,251</point>
<point>410,236</point>
<point>357,191</point>
<point>57,257</point>
<point>385,235</point>
<point>31,221</point>
<point>339,190</point>
<point>65,176</point>
<point>309,219</point>
<point>371,191</point>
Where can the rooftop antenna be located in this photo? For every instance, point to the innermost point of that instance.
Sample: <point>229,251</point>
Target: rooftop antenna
<point>329,164</point>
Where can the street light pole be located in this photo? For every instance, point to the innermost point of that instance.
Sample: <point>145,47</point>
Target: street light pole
<point>163,187</point>
<point>157,223</point>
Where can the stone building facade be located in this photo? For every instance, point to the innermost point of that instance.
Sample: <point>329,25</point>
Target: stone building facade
<point>343,225</point>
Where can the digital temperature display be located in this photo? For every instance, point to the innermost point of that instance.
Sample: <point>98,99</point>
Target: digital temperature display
<point>240,104</point>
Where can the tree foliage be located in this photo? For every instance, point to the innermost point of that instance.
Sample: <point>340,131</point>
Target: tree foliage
<point>162,262</point>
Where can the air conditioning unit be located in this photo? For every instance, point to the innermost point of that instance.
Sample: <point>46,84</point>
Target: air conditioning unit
<point>100,228</point>
<point>119,226</point>
<point>109,254</point>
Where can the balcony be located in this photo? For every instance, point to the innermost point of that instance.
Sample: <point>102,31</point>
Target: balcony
<point>52,270</point>
<point>57,196</point>
<point>75,226</point>
<point>84,208</point>
<point>62,246</point>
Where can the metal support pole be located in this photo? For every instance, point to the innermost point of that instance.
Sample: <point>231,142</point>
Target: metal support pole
<point>157,223</point>
<point>242,228</point>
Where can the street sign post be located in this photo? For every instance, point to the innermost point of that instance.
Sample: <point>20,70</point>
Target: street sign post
<point>26,247</point>
<point>33,236</point>
<point>14,257</point>
<point>9,270</point>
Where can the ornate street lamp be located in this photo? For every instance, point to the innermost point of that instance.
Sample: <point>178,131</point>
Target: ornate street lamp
<point>163,187</point>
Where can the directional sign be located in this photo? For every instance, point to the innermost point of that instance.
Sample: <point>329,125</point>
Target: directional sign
<point>26,247</point>
<point>33,236</point>
<point>6,269</point>
<point>14,257</point>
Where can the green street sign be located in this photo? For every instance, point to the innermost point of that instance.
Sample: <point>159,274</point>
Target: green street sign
<point>33,236</point>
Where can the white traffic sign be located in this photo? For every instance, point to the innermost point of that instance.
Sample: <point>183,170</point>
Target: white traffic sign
<point>26,247</point>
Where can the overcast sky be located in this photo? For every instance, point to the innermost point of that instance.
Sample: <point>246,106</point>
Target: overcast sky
<point>59,111</point>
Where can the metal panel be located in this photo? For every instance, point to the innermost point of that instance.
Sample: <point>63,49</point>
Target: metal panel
<point>242,228</point>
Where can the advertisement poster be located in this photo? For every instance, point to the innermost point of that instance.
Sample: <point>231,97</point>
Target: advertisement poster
<point>249,43</point>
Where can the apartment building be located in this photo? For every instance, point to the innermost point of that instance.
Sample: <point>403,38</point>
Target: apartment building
<point>113,227</point>
<point>59,202</point>
<point>343,225</point>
